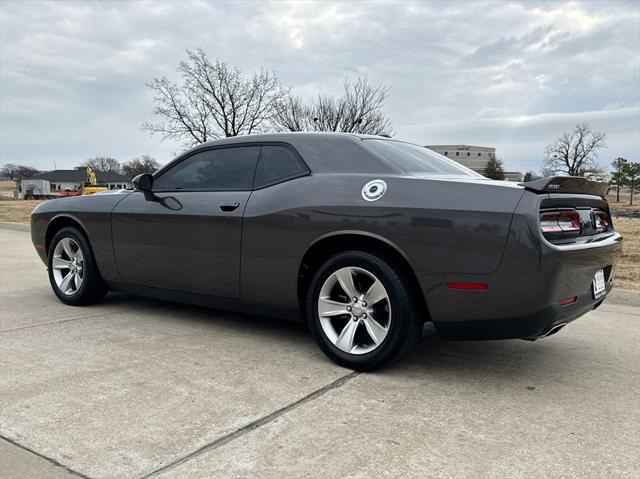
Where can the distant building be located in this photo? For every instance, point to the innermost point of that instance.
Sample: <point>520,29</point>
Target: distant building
<point>513,176</point>
<point>473,157</point>
<point>51,183</point>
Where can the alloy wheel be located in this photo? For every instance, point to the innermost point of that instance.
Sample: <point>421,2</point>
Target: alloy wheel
<point>354,310</point>
<point>68,266</point>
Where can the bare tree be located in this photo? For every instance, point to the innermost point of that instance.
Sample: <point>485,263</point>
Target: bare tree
<point>103,163</point>
<point>17,172</point>
<point>137,166</point>
<point>494,169</point>
<point>25,171</point>
<point>293,114</point>
<point>358,110</point>
<point>575,153</point>
<point>9,170</point>
<point>213,101</point>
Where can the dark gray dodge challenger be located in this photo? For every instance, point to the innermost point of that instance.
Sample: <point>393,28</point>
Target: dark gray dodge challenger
<point>365,238</point>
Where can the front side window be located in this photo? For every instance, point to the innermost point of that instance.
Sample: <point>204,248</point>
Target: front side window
<point>219,169</point>
<point>417,160</point>
<point>278,163</point>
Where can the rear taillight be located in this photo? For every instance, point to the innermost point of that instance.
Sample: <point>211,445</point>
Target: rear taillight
<point>568,301</point>
<point>469,286</point>
<point>601,220</point>
<point>560,221</point>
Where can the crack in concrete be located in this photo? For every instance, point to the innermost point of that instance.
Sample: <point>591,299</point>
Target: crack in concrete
<point>217,443</point>
<point>76,318</point>
<point>261,422</point>
<point>254,425</point>
<point>46,458</point>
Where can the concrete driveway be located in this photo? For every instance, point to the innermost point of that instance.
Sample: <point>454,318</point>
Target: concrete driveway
<point>137,388</point>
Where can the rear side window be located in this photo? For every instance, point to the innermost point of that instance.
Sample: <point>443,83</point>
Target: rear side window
<point>416,160</point>
<point>278,163</point>
<point>219,169</point>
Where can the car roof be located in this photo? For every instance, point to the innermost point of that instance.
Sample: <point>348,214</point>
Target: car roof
<point>324,152</point>
<point>288,136</point>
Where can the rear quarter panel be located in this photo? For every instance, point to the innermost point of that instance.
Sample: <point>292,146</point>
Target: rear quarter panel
<point>440,226</point>
<point>534,274</point>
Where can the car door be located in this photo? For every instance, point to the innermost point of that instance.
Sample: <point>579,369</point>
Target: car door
<point>186,235</point>
<point>272,243</point>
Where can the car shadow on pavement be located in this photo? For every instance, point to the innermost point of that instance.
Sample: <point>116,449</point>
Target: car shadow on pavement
<point>568,354</point>
<point>432,355</point>
<point>189,313</point>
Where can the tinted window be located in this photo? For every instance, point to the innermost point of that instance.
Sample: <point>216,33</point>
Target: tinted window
<point>220,169</point>
<point>278,163</point>
<point>414,159</point>
<point>330,153</point>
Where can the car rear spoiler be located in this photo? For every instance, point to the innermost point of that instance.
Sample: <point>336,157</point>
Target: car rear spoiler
<point>567,184</point>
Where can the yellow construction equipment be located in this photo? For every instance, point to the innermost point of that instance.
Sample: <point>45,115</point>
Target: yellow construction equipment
<point>88,187</point>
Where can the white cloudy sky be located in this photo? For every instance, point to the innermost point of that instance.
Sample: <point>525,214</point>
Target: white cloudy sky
<point>512,75</point>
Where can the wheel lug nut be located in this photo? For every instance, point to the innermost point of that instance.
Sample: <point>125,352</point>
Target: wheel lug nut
<point>364,315</point>
<point>364,303</point>
<point>355,300</point>
<point>354,318</point>
<point>348,308</point>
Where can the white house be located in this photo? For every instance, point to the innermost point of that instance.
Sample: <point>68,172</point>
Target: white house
<point>53,182</point>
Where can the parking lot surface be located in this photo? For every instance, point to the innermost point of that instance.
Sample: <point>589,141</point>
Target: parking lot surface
<point>137,388</point>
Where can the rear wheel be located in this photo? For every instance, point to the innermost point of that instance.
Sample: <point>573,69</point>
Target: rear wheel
<point>361,312</point>
<point>73,273</point>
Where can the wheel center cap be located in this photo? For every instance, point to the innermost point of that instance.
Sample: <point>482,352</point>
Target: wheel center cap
<point>357,309</point>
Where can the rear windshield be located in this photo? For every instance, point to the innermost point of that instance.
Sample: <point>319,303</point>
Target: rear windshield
<point>416,160</point>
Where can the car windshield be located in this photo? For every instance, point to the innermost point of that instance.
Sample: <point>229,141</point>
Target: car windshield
<point>416,160</point>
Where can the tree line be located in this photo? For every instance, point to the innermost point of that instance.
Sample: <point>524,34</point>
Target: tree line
<point>137,166</point>
<point>142,164</point>
<point>11,171</point>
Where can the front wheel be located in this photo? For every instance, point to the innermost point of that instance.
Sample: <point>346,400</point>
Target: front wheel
<point>361,312</point>
<point>73,273</point>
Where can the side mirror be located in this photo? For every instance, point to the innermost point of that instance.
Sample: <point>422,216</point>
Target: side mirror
<point>143,182</point>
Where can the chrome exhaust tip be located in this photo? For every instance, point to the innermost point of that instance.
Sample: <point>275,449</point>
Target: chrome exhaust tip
<point>552,330</point>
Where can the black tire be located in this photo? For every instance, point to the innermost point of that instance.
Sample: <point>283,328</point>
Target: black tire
<point>404,329</point>
<point>92,289</point>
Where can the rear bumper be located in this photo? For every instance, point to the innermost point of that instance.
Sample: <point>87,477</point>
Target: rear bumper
<point>524,294</point>
<point>530,326</point>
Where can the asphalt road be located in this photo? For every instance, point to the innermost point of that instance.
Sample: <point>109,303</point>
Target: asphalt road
<point>137,388</point>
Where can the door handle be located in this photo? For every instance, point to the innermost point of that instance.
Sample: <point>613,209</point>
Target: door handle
<point>229,206</point>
